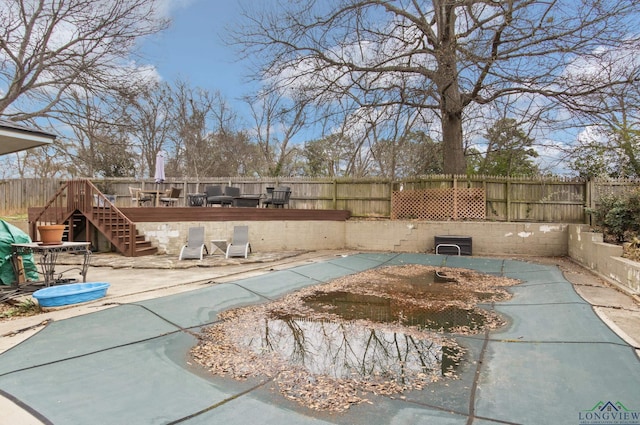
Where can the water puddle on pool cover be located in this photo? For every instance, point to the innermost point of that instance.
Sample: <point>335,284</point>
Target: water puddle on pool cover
<point>438,316</point>
<point>389,334</point>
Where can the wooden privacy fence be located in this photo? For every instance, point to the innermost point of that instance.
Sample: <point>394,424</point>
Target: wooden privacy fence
<point>505,199</point>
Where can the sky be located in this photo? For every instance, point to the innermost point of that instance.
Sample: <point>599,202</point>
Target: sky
<point>191,49</point>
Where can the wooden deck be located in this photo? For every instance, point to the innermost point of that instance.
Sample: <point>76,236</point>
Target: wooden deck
<point>81,206</point>
<point>177,214</point>
<point>173,214</point>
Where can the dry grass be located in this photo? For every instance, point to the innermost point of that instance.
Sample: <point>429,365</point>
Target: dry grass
<point>15,309</point>
<point>631,250</point>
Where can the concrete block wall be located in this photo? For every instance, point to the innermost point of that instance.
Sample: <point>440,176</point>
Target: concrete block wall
<point>371,235</point>
<point>536,239</point>
<point>588,249</point>
<point>487,238</point>
<point>263,235</point>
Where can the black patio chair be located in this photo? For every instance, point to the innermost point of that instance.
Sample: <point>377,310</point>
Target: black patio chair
<point>215,195</point>
<point>279,197</point>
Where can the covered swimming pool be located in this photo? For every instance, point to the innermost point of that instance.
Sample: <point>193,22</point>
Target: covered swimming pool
<point>553,362</point>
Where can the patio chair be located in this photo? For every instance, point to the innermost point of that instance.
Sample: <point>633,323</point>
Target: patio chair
<point>138,199</point>
<point>232,191</point>
<point>171,197</point>
<point>195,247</point>
<point>239,246</point>
<point>279,197</point>
<point>216,196</point>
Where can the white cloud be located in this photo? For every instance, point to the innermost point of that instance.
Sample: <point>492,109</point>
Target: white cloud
<point>166,8</point>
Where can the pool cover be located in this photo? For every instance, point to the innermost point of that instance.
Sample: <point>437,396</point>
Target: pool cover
<point>555,362</point>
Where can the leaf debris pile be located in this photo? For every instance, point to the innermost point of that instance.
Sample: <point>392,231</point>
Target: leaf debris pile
<point>324,362</point>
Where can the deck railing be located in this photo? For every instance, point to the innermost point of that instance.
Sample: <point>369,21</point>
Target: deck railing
<point>83,197</point>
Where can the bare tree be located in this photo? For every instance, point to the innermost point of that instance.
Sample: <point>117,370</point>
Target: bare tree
<point>148,121</point>
<point>191,115</point>
<point>234,155</point>
<point>204,139</point>
<point>278,120</point>
<point>233,152</point>
<point>611,146</point>
<point>43,163</point>
<point>438,56</point>
<point>98,144</point>
<point>50,46</point>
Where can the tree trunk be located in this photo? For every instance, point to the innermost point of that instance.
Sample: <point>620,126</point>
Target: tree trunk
<point>453,152</point>
<point>451,99</point>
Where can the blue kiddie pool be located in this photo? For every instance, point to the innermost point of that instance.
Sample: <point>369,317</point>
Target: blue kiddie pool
<point>72,293</point>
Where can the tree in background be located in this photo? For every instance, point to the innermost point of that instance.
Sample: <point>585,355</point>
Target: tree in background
<point>439,57</point>
<point>49,47</point>
<point>509,151</point>
<point>232,153</point>
<point>611,144</point>
<point>416,154</point>
<point>147,116</point>
<point>277,121</point>
<point>98,144</point>
<point>593,156</point>
<point>190,142</point>
<point>205,141</point>
<point>326,157</point>
<point>57,53</point>
<point>114,157</point>
<point>39,163</point>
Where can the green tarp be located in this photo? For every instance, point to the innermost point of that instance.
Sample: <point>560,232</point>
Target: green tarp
<point>11,234</point>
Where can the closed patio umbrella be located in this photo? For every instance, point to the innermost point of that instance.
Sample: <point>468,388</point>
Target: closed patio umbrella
<point>160,157</point>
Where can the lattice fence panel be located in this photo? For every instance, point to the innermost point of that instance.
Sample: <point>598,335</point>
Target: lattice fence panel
<point>439,204</point>
<point>471,203</point>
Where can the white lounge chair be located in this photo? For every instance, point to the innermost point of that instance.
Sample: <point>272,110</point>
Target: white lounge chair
<point>195,247</point>
<point>239,246</point>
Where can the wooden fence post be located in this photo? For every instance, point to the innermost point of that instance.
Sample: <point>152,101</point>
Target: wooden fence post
<point>508,200</point>
<point>589,201</point>
<point>455,197</point>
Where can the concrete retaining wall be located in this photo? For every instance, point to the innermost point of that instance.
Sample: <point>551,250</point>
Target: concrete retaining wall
<point>372,235</point>
<point>536,239</point>
<point>263,235</point>
<point>588,249</point>
<point>487,238</point>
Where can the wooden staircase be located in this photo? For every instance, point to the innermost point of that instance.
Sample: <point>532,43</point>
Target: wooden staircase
<point>81,206</point>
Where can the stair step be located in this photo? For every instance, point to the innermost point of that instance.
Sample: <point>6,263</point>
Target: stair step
<point>111,222</point>
<point>141,244</point>
<point>152,250</point>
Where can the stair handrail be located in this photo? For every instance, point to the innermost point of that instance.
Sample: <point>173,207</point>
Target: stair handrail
<point>54,212</point>
<point>54,200</point>
<point>96,205</point>
<point>82,195</point>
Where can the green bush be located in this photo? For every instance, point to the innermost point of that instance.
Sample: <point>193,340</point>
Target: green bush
<point>618,216</point>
